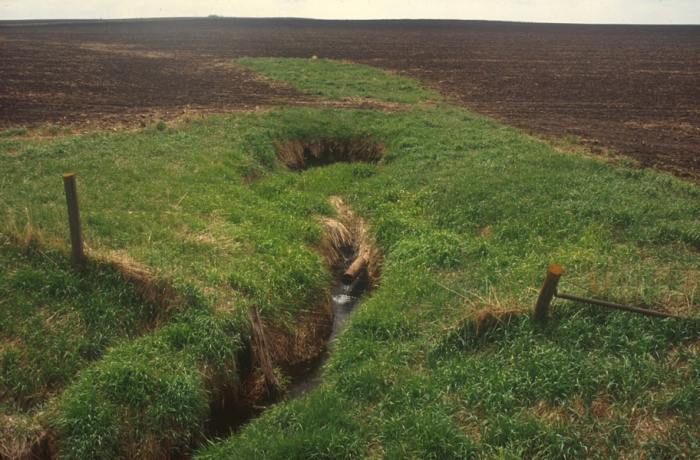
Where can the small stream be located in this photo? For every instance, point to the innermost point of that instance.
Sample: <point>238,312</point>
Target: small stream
<point>305,375</point>
<point>344,299</point>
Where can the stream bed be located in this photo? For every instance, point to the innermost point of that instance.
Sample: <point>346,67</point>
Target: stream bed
<point>307,375</point>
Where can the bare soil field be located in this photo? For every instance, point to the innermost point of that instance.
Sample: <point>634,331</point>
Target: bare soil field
<point>632,89</point>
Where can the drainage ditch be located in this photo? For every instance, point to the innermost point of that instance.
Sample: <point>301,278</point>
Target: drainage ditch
<point>344,297</point>
<point>353,260</point>
<point>350,256</point>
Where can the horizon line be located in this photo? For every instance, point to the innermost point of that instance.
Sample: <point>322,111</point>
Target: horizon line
<point>214,17</point>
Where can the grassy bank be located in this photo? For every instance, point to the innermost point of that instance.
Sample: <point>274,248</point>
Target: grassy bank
<point>468,214</point>
<point>442,361</point>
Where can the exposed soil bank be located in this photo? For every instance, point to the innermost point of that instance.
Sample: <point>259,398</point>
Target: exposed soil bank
<point>308,153</point>
<point>231,415</point>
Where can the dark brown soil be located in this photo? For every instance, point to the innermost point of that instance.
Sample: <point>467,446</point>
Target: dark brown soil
<point>633,89</point>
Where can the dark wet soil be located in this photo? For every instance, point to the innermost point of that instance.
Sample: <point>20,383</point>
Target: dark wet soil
<point>633,89</point>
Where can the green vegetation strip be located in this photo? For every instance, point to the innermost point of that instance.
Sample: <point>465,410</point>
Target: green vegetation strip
<point>337,80</point>
<point>442,361</point>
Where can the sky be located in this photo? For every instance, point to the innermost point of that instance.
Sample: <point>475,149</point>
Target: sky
<point>562,11</point>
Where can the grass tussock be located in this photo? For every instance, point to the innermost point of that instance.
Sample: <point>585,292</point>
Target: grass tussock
<point>489,318</point>
<point>26,236</point>
<point>337,242</point>
<point>21,438</point>
<point>361,243</point>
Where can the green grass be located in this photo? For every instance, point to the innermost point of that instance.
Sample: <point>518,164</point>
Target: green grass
<point>54,322</point>
<point>336,80</point>
<point>467,214</point>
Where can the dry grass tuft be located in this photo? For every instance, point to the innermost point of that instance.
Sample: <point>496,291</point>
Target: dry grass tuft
<point>362,245</point>
<point>491,316</point>
<point>252,392</point>
<point>311,330</point>
<point>468,420</point>
<point>335,244</point>
<point>646,428</point>
<point>682,302</point>
<point>21,437</point>
<point>652,428</point>
<point>22,236</point>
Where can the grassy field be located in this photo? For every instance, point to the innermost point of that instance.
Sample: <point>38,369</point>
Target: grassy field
<point>336,80</point>
<point>187,225</point>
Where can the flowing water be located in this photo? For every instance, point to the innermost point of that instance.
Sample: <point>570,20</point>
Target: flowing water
<point>344,299</point>
<point>306,375</point>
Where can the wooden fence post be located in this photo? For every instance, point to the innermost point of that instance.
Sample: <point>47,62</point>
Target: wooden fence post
<point>547,291</point>
<point>76,234</point>
<point>260,351</point>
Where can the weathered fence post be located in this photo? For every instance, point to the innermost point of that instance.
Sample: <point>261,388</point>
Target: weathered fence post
<point>260,351</point>
<point>547,291</point>
<point>76,234</point>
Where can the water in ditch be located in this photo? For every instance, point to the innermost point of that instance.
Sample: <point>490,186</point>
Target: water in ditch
<point>344,299</point>
<point>306,375</point>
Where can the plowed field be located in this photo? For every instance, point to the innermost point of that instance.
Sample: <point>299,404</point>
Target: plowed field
<point>632,89</point>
